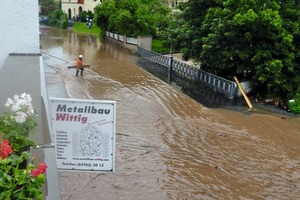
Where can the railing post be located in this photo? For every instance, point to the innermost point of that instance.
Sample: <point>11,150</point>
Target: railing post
<point>170,68</point>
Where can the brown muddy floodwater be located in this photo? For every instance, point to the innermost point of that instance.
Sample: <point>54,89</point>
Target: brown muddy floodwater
<point>168,146</point>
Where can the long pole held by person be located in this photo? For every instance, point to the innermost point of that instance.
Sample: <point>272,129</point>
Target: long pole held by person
<point>79,65</point>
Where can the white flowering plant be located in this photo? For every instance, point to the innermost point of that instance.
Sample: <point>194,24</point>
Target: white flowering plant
<point>20,178</point>
<point>16,125</point>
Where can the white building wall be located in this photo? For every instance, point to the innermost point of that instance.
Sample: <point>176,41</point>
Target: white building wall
<point>90,5</point>
<point>22,70</point>
<point>74,6</point>
<point>19,28</point>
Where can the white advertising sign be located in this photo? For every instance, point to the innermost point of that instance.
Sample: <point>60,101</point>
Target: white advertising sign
<point>84,134</point>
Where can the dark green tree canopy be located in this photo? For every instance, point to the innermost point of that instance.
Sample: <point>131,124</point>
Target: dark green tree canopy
<point>130,17</point>
<point>48,6</point>
<point>238,37</point>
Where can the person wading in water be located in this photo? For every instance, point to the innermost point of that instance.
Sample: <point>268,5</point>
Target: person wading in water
<point>79,65</point>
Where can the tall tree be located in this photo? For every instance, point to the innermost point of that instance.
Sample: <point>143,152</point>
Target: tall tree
<point>130,17</point>
<point>48,6</point>
<point>103,13</point>
<point>257,37</point>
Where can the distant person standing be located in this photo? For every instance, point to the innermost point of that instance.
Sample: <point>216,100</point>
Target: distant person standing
<point>79,65</point>
<point>90,23</point>
<point>87,24</point>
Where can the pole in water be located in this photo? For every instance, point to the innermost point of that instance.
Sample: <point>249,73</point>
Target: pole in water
<point>74,66</point>
<point>243,92</point>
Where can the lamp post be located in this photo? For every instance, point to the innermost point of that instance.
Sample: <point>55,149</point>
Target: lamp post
<point>170,69</point>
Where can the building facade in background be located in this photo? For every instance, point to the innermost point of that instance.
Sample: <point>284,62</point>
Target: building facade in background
<point>73,8</point>
<point>174,3</point>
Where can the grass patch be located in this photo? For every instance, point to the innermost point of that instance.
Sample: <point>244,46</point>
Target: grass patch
<point>157,46</point>
<point>80,27</point>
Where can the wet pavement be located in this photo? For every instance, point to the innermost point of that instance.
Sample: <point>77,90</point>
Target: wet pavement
<point>168,145</point>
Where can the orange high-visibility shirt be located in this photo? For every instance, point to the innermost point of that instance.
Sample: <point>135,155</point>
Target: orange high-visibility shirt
<point>79,63</point>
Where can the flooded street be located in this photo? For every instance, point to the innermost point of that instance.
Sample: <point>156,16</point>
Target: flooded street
<point>168,146</point>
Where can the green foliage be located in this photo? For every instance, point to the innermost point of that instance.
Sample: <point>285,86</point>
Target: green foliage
<point>48,6</point>
<point>58,19</point>
<point>158,46</point>
<point>130,17</point>
<point>17,182</point>
<point>63,22</point>
<point>231,37</point>
<point>17,133</point>
<point>84,15</point>
<point>172,31</point>
<point>294,104</point>
<point>102,15</point>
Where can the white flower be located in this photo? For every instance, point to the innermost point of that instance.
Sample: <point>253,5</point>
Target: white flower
<point>21,106</point>
<point>30,110</point>
<point>20,117</point>
<point>16,107</point>
<point>16,98</point>
<point>9,102</point>
<point>23,96</point>
<point>21,103</point>
<point>27,98</point>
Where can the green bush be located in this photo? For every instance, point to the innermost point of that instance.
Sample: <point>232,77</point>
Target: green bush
<point>58,19</point>
<point>157,46</point>
<point>84,14</point>
<point>63,21</point>
<point>294,104</point>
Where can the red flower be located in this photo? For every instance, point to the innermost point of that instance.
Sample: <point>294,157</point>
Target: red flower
<point>41,169</point>
<point>5,149</point>
<point>35,172</point>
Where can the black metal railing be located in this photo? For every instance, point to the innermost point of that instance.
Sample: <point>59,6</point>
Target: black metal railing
<point>219,84</point>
